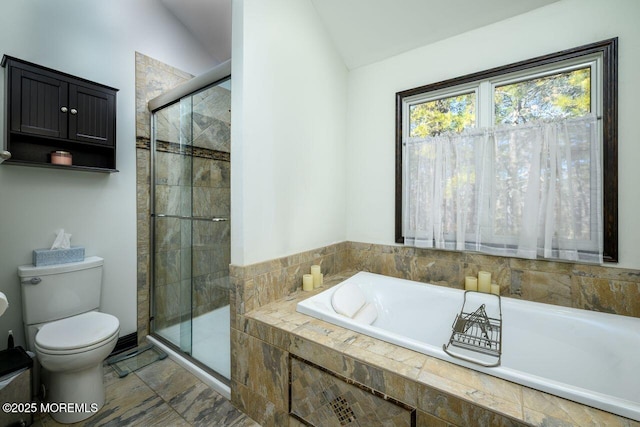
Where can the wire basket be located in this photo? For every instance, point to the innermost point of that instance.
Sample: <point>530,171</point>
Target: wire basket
<point>476,332</point>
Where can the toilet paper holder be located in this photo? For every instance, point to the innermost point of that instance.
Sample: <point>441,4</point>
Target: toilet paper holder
<point>32,281</point>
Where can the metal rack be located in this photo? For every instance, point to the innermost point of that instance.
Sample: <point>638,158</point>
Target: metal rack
<point>477,332</point>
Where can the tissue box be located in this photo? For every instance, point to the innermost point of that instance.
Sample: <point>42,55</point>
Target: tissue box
<point>57,256</point>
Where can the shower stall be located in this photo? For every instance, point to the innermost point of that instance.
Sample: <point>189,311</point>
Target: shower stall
<point>190,228</point>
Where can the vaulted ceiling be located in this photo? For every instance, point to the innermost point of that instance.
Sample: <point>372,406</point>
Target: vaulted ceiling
<point>364,31</point>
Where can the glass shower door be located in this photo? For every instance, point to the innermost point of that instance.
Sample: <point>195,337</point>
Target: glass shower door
<point>191,229</point>
<point>211,231</point>
<point>172,167</point>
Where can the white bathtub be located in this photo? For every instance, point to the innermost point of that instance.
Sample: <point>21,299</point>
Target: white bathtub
<point>585,356</point>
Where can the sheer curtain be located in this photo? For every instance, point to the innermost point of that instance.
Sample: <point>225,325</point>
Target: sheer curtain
<point>528,191</point>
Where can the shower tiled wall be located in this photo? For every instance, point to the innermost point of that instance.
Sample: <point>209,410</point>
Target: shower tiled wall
<point>152,79</point>
<point>192,180</point>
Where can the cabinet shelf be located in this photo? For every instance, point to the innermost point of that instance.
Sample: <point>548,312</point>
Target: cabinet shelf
<point>36,151</point>
<point>54,166</point>
<point>47,110</point>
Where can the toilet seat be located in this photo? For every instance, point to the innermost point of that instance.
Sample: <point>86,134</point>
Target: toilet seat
<point>76,334</point>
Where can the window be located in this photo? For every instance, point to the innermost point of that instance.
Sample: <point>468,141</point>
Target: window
<point>559,88</point>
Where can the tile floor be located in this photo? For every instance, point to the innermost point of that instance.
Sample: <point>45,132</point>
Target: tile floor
<point>161,394</point>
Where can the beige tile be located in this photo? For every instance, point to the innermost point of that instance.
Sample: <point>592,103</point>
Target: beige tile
<point>541,409</point>
<point>201,406</point>
<point>167,378</point>
<point>130,401</point>
<point>426,420</point>
<point>607,295</point>
<point>548,288</point>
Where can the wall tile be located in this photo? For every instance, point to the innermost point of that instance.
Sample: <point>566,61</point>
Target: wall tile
<point>550,288</point>
<point>606,295</point>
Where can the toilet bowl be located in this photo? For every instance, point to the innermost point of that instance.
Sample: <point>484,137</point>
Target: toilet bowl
<point>71,351</point>
<point>70,337</point>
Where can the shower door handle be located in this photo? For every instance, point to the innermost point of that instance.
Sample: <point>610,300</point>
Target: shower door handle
<point>193,218</point>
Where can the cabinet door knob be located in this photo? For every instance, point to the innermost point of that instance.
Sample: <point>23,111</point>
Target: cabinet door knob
<point>64,109</point>
<point>74,111</point>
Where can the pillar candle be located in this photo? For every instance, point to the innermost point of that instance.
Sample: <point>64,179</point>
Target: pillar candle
<point>307,282</point>
<point>484,281</point>
<point>315,272</point>
<point>470,283</point>
<point>495,289</point>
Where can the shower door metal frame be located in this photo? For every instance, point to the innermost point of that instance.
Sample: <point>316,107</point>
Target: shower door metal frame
<point>214,77</point>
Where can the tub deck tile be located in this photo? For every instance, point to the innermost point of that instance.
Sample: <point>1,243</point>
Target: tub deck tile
<point>408,370</point>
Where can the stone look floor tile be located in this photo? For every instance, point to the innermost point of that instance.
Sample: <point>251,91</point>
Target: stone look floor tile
<point>161,394</point>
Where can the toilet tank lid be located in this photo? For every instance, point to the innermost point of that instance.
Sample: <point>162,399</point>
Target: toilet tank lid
<point>31,270</point>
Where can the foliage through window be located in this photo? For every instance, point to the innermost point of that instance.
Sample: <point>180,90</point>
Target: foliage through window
<point>454,113</point>
<point>558,95</point>
<point>479,153</point>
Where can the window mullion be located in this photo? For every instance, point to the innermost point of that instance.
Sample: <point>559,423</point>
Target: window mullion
<point>485,104</point>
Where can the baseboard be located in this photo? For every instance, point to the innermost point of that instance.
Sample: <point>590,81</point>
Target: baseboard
<point>125,343</point>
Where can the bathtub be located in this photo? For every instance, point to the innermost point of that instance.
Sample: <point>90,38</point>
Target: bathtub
<point>589,357</point>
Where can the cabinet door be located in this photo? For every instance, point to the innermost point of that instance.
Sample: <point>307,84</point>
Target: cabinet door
<point>92,115</point>
<point>36,104</point>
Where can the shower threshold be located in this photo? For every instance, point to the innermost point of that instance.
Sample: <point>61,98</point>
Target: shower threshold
<point>211,342</point>
<point>185,361</point>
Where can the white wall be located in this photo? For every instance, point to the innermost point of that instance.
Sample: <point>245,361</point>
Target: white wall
<point>94,40</point>
<point>562,25</point>
<point>288,135</point>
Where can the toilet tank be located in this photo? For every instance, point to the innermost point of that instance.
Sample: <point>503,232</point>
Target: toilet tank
<point>62,290</point>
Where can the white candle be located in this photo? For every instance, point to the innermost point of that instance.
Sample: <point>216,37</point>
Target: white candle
<point>307,282</point>
<point>484,281</point>
<point>470,283</point>
<point>495,289</point>
<point>315,272</point>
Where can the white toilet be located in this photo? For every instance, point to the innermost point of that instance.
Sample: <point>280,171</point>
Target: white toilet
<point>70,337</point>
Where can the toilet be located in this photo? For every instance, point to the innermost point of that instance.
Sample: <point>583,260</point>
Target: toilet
<point>68,334</point>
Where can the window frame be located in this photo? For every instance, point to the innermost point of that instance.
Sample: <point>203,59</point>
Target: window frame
<point>607,89</point>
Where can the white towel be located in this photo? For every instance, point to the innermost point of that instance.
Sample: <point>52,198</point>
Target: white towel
<point>348,299</point>
<point>367,314</point>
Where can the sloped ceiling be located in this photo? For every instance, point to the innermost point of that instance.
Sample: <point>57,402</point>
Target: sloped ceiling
<point>364,31</point>
<point>367,31</point>
<point>209,21</point>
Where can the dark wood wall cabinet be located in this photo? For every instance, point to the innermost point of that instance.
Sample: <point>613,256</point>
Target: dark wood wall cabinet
<point>48,111</point>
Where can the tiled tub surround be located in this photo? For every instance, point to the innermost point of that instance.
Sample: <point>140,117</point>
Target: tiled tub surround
<point>581,355</point>
<point>263,335</point>
<point>442,393</point>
